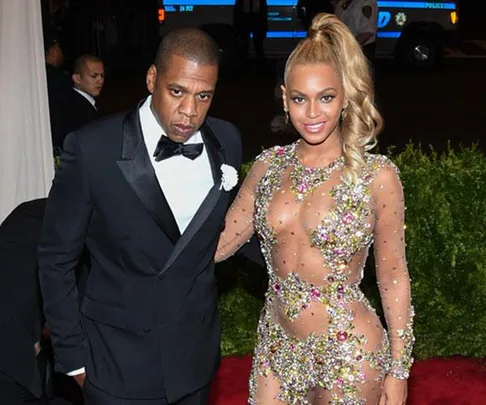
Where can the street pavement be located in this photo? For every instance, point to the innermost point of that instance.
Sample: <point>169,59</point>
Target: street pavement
<point>471,48</point>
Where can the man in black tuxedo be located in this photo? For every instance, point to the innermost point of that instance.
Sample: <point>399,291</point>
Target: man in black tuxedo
<point>147,192</point>
<point>21,317</point>
<point>88,80</point>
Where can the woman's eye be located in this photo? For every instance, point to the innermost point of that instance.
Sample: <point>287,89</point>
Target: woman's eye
<point>298,99</point>
<point>327,98</point>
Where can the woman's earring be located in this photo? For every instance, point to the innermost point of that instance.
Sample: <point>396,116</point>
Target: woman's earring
<point>287,118</point>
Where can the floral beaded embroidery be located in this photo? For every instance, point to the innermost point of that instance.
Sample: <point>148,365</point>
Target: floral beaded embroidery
<point>345,230</point>
<point>333,359</point>
<point>306,179</point>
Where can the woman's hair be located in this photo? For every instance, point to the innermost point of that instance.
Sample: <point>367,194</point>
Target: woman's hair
<point>330,42</point>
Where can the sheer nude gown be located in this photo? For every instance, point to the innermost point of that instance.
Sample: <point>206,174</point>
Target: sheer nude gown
<point>319,340</point>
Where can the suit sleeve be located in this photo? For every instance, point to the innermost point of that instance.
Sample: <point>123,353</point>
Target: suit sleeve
<point>68,213</point>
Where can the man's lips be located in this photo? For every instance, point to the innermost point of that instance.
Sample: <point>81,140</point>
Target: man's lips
<point>184,129</point>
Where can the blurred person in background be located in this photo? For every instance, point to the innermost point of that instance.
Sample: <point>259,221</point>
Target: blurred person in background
<point>308,9</point>
<point>59,91</point>
<point>22,361</point>
<point>88,80</point>
<point>251,18</point>
<point>361,16</point>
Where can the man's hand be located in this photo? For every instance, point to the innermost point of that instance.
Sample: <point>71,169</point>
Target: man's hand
<point>46,333</point>
<point>80,379</point>
<point>394,392</point>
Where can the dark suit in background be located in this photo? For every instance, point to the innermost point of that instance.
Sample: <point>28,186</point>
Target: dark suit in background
<point>21,318</point>
<point>68,110</point>
<point>83,111</point>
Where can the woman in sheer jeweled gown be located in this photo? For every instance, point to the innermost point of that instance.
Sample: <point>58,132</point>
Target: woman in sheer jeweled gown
<point>316,209</point>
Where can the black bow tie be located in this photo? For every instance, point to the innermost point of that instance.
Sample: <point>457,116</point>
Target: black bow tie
<point>167,148</point>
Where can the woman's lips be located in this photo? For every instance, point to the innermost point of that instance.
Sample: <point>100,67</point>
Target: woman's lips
<point>315,127</point>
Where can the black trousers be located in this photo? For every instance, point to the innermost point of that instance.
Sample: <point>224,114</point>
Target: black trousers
<point>94,396</point>
<point>248,25</point>
<point>11,393</point>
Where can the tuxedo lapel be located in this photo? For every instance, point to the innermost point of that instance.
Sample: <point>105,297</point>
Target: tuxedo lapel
<point>216,159</point>
<point>138,171</point>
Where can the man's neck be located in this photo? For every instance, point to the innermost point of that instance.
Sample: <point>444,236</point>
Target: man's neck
<point>52,64</point>
<point>87,96</point>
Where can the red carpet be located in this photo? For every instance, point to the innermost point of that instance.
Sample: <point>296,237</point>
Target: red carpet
<point>449,381</point>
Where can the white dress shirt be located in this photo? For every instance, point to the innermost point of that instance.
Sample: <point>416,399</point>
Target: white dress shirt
<point>87,96</point>
<point>185,182</point>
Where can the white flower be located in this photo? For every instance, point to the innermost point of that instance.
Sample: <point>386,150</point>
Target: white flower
<point>229,177</point>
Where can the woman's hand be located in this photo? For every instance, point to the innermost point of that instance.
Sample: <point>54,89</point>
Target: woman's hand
<point>394,392</point>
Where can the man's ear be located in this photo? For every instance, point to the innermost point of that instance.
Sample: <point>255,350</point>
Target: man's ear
<point>151,78</point>
<point>284,97</point>
<point>76,78</point>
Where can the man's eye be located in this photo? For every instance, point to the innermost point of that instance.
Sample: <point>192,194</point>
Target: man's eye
<point>204,97</point>
<point>175,92</point>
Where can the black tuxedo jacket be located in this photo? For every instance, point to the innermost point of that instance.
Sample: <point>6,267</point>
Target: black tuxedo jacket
<point>82,112</point>
<point>148,325</point>
<point>20,305</point>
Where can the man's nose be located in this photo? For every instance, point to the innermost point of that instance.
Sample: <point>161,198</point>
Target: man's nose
<point>188,107</point>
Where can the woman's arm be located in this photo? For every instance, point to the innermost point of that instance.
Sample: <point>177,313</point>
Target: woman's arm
<point>239,218</point>
<point>391,268</point>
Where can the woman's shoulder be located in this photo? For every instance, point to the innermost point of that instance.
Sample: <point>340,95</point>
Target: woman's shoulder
<point>381,168</point>
<point>376,162</point>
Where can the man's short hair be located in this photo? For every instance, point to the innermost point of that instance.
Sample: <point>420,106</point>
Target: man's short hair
<point>82,61</point>
<point>50,39</point>
<point>192,44</point>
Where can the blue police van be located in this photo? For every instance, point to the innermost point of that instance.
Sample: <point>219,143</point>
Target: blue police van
<point>413,32</point>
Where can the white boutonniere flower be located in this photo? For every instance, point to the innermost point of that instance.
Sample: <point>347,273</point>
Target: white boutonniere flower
<point>229,177</point>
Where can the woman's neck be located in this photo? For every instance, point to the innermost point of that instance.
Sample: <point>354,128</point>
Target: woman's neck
<point>319,155</point>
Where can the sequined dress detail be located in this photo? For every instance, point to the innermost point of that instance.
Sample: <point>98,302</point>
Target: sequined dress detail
<point>319,339</point>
